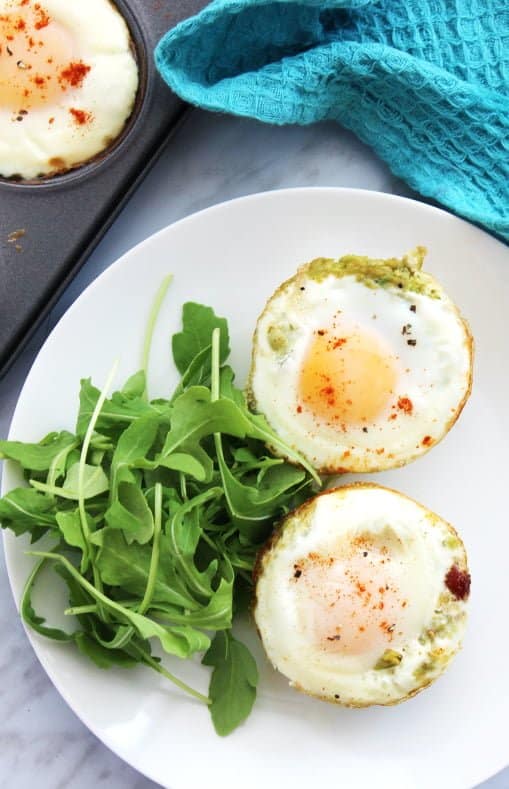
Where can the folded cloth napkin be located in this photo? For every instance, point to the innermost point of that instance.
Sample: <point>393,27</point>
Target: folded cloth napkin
<point>424,82</point>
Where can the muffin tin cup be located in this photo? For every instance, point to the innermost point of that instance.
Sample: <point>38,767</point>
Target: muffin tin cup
<point>50,225</point>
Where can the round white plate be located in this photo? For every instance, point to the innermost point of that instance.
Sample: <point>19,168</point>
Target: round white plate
<point>231,257</point>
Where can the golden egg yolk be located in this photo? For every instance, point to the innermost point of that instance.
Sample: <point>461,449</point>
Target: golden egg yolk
<point>346,378</point>
<point>36,58</point>
<point>352,602</point>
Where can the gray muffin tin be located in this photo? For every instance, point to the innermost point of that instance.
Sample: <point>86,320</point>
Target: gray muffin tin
<point>49,227</point>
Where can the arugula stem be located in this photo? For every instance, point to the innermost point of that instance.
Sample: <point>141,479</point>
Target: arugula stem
<point>151,323</point>
<point>208,540</point>
<point>215,364</point>
<point>53,472</point>
<point>183,485</point>
<point>214,395</point>
<point>81,609</point>
<point>81,472</point>
<point>154,559</point>
<point>149,660</point>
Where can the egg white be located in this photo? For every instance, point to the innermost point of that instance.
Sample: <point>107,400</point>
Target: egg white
<point>37,147</point>
<point>434,369</point>
<point>427,547</point>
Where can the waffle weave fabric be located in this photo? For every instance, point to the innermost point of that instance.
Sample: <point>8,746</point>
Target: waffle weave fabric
<point>424,82</point>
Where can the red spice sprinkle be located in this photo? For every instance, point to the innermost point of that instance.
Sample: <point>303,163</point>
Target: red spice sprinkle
<point>406,405</point>
<point>393,416</point>
<point>427,441</point>
<point>20,24</point>
<point>43,20</point>
<point>337,343</point>
<point>328,392</point>
<point>39,80</point>
<point>74,74</point>
<point>51,120</point>
<point>299,409</point>
<point>80,116</point>
<point>458,582</point>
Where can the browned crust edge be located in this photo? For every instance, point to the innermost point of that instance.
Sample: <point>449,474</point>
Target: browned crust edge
<point>277,534</point>
<point>345,468</point>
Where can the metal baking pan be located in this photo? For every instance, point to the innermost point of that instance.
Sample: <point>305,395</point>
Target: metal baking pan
<point>49,227</point>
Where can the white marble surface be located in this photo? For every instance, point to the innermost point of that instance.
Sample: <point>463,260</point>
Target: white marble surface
<point>211,159</point>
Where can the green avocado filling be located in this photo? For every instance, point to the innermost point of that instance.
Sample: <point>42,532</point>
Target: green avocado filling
<point>389,659</point>
<point>278,338</point>
<point>404,273</point>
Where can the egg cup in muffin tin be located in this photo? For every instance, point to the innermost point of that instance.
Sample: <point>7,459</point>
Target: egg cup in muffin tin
<point>50,225</point>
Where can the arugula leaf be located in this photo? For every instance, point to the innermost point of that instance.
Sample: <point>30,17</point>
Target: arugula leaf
<point>27,610</point>
<point>24,509</point>
<point>184,532</point>
<point>216,615</point>
<point>101,656</point>
<point>233,682</point>
<point>178,640</point>
<point>69,524</point>
<point>116,413</point>
<point>95,482</point>
<point>194,461</point>
<point>135,385</point>
<point>131,514</point>
<point>198,323</point>
<point>134,444</point>
<point>38,457</point>
<point>127,566</point>
<point>195,416</point>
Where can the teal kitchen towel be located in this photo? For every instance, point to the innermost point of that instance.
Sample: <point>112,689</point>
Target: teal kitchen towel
<point>424,82</point>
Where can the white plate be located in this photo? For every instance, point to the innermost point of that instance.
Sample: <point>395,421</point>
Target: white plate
<point>232,256</point>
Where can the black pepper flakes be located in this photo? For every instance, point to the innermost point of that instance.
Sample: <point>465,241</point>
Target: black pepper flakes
<point>333,638</point>
<point>413,308</point>
<point>411,342</point>
<point>407,329</point>
<point>9,51</point>
<point>297,573</point>
<point>364,553</point>
<point>364,429</point>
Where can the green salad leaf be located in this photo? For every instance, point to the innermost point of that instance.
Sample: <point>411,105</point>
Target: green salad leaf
<point>233,683</point>
<point>157,510</point>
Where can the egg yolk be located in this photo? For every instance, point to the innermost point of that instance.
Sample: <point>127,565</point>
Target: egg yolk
<point>346,378</point>
<point>36,58</point>
<point>352,602</point>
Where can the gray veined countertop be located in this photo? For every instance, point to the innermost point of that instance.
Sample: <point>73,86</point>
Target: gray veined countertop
<point>212,158</point>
